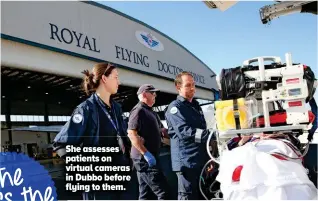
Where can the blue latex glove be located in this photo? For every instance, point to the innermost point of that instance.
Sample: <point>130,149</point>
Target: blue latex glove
<point>150,159</point>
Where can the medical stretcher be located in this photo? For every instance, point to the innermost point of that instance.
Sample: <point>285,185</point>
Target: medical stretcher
<point>264,100</point>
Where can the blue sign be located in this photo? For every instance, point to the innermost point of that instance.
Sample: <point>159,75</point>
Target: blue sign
<point>22,178</point>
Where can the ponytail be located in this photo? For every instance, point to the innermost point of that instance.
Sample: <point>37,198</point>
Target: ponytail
<point>88,82</point>
<point>91,80</point>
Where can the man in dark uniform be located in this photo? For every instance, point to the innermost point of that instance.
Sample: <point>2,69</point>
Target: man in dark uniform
<point>188,134</point>
<point>145,131</point>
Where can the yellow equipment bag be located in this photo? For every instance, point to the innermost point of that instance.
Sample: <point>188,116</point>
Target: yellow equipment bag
<point>224,114</point>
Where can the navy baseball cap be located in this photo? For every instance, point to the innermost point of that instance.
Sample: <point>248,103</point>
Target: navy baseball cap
<point>146,87</point>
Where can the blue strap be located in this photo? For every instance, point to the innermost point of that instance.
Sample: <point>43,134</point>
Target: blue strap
<point>102,105</point>
<point>116,126</point>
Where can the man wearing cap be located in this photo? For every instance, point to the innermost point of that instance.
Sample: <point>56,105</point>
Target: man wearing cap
<point>145,131</point>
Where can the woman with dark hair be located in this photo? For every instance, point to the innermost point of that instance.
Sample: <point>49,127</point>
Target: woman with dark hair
<point>97,122</point>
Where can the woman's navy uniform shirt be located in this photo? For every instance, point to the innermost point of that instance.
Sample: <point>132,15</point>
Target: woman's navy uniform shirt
<point>89,126</point>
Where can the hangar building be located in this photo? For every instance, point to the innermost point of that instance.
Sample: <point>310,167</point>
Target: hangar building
<point>46,45</point>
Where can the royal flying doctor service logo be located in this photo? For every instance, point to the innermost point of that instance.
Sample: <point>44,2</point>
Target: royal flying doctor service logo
<point>149,40</point>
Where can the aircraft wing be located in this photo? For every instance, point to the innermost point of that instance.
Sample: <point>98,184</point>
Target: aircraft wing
<point>270,12</point>
<point>51,129</point>
<point>222,5</point>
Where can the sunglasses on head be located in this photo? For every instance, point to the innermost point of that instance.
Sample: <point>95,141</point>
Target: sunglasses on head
<point>109,66</point>
<point>152,92</point>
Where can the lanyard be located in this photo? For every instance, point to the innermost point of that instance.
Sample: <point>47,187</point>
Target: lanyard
<point>119,138</point>
<point>102,105</point>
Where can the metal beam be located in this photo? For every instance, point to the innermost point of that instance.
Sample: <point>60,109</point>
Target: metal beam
<point>271,12</point>
<point>46,121</point>
<point>52,89</point>
<point>8,118</point>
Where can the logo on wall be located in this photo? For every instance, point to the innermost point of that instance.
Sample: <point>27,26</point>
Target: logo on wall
<point>149,40</point>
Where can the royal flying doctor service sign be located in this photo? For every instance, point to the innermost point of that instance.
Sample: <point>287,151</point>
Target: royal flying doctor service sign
<point>92,31</point>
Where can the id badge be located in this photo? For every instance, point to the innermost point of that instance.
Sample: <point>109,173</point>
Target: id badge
<point>121,143</point>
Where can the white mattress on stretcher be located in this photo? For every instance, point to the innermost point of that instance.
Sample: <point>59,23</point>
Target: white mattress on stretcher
<point>264,176</point>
